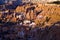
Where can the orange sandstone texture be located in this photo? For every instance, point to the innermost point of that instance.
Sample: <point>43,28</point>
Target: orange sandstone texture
<point>49,11</point>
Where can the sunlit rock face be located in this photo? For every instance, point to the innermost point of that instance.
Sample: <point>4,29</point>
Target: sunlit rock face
<point>39,1</point>
<point>42,13</point>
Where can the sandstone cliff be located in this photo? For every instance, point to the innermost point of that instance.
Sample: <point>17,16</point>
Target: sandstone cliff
<point>42,13</point>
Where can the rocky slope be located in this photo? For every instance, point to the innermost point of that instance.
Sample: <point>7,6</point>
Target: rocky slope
<point>44,17</point>
<point>41,13</point>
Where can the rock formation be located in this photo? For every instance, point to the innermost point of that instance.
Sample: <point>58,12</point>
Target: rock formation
<point>42,13</point>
